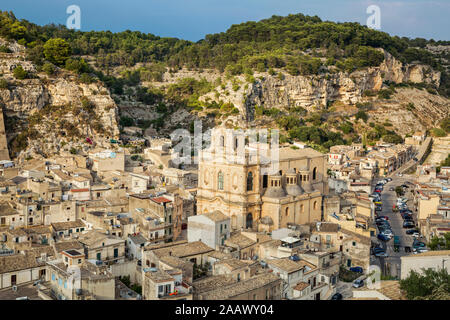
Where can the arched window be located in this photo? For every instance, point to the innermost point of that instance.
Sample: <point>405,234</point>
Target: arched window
<point>222,141</point>
<point>249,221</point>
<point>265,180</point>
<point>236,143</point>
<point>314,173</point>
<point>287,211</point>
<point>302,208</point>
<point>249,181</point>
<point>220,181</point>
<point>315,205</point>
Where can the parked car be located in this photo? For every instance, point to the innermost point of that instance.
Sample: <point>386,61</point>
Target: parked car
<point>411,231</point>
<point>336,296</point>
<point>377,250</point>
<point>408,224</point>
<point>388,233</point>
<point>389,179</point>
<point>384,217</point>
<point>381,254</point>
<point>419,250</point>
<point>294,257</point>
<point>416,235</point>
<point>358,283</point>
<point>418,244</point>
<point>382,237</point>
<point>357,269</point>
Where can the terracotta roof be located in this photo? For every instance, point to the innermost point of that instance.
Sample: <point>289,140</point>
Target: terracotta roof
<point>212,283</point>
<point>38,230</point>
<point>234,264</point>
<point>6,209</point>
<point>67,245</point>
<point>184,250</point>
<point>238,288</point>
<point>301,286</point>
<point>159,276</point>
<point>324,227</point>
<point>79,190</point>
<point>18,262</point>
<point>160,200</point>
<point>59,226</point>
<point>288,265</point>
<point>216,216</point>
<point>240,241</point>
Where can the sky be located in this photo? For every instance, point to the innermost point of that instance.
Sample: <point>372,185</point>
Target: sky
<point>193,19</point>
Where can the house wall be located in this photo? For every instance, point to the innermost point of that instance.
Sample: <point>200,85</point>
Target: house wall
<point>22,276</point>
<point>416,263</point>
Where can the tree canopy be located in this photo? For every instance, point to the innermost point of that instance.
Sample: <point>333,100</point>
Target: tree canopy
<point>426,285</point>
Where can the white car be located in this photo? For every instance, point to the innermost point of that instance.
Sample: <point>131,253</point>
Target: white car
<point>388,233</point>
<point>416,235</point>
<point>419,250</point>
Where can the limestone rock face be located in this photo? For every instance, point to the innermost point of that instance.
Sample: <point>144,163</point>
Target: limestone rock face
<point>25,97</point>
<point>316,90</point>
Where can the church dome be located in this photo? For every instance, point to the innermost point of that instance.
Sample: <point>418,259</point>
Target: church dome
<point>294,190</point>
<point>275,192</point>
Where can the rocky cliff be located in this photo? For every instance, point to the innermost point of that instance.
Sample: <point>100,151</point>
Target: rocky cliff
<point>316,92</point>
<point>40,95</point>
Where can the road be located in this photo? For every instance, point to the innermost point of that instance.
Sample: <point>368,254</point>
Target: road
<point>389,199</point>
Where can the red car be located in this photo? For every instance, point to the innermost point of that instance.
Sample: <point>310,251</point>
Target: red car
<point>384,217</point>
<point>377,190</point>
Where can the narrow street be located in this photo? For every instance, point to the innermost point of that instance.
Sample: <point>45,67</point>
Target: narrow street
<point>391,264</point>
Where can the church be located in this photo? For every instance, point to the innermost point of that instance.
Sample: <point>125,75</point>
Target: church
<point>254,190</point>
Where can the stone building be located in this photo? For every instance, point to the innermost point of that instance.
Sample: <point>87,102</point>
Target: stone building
<point>259,187</point>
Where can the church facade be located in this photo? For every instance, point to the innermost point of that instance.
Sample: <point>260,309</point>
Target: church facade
<point>242,182</point>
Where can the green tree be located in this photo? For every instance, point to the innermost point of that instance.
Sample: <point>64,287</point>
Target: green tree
<point>392,138</point>
<point>3,84</point>
<point>48,68</point>
<point>445,124</point>
<point>438,132</point>
<point>57,51</point>
<point>421,285</point>
<point>17,30</point>
<point>20,73</point>
<point>362,115</point>
<point>440,243</point>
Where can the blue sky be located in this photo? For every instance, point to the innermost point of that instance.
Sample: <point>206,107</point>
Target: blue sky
<point>192,19</point>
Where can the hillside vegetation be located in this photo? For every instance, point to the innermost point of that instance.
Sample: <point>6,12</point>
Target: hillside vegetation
<point>245,73</point>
